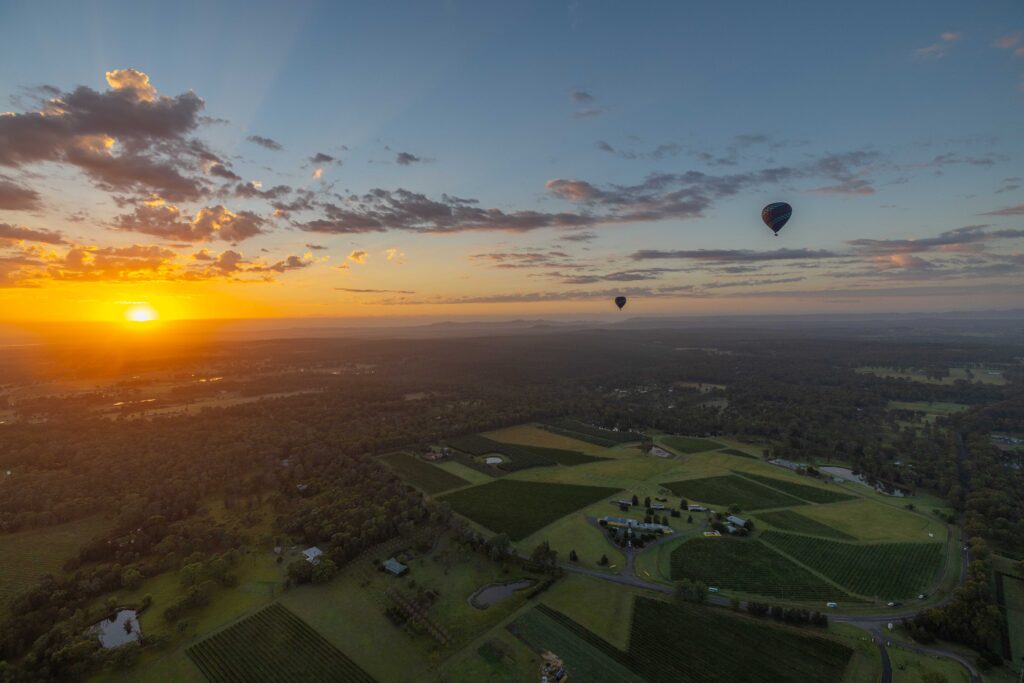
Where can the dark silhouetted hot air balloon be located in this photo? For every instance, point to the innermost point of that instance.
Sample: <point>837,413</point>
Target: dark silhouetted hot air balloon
<point>776,215</point>
<point>620,301</point>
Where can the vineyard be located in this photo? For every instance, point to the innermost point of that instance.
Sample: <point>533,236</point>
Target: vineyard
<point>737,453</point>
<point>886,570</point>
<point>273,645</point>
<point>595,435</point>
<point>423,475</point>
<point>519,457</point>
<point>747,566</point>
<point>670,643</point>
<point>519,508</point>
<point>788,520</point>
<point>587,657</point>
<point>808,493</point>
<point>729,490</point>
<point>690,444</point>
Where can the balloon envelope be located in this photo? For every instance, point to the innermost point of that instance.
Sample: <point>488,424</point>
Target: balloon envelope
<point>620,301</point>
<point>776,215</point>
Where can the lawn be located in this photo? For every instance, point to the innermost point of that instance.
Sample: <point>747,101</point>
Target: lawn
<point>910,667</point>
<point>273,645</point>
<point>519,457</point>
<point>26,556</point>
<point>883,570</point>
<point>1013,594</point>
<point>731,490</point>
<point>738,453</point>
<point>532,435</point>
<point>748,566</point>
<point>689,444</point>
<point>574,532</point>
<point>812,494</point>
<point>520,508</point>
<point>463,472</point>
<point>423,475</point>
<point>672,643</point>
<point>928,407</point>
<point>608,617</point>
<point>586,656</point>
<point>869,520</point>
<point>789,520</point>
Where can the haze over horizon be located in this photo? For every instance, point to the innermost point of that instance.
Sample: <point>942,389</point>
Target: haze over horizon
<point>447,161</point>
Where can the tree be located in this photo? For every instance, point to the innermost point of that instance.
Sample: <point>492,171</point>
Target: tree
<point>647,502</point>
<point>131,577</point>
<point>573,557</point>
<point>604,561</point>
<point>544,555</point>
<point>500,544</point>
<point>933,677</point>
<point>300,571</point>
<point>636,501</point>
<point>690,591</point>
<point>683,504</point>
<point>324,570</point>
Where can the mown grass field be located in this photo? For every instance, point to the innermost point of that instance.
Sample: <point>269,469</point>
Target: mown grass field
<point>532,435</point>
<point>574,532</point>
<point>789,520</point>
<point>423,475</point>
<point>273,645</point>
<point>586,656</point>
<point>869,520</point>
<point>910,667</point>
<point>26,556</point>
<point>738,453</point>
<point>928,408</point>
<point>672,643</point>
<point>814,494</point>
<point>595,435</point>
<point>463,472</point>
<point>954,374</point>
<point>886,570</point>
<point>518,457</point>
<point>690,444</point>
<point>747,566</point>
<point>731,489</point>
<point>520,508</point>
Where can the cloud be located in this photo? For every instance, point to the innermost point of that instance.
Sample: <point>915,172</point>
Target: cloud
<point>1010,184</point>
<point>588,113</point>
<point>315,247</point>
<point>852,186</point>
<point>529,258</point>
<point>166,221</point>
<point>1013,41</point>
<point>662,151</point>
<point>585,236</point>
<point>902,261</point>
<point>14,197</point>
<point>407,159</point>
<point>734,255</point>
<point>221,171</point>
<point>126,139</point>
<point>20,233</point>
<point>636,275</point>
<point>392,254</point>
<point>970,238</point>
<point>358,256</point>
<point>938,49</point>
<point>133,80</point>
<point>266,143</point>
<point>1017,210</point>
<point>581,96</point>
<point>320,158</point>
<point>373,291</point>
<point>318,173</point>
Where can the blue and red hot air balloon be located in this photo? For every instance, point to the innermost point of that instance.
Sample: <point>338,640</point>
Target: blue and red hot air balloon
<point>775,215</point>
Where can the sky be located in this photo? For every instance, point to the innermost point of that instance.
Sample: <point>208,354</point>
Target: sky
<point>471,159</point>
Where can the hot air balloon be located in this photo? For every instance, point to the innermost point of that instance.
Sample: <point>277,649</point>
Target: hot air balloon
<point>776,215</point>
<point>620,301</point>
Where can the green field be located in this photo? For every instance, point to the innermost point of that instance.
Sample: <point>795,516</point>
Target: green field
<point>463,472</point>
<point>789,520</point>
<point>672,643</point>
<point>532,435</point>
<point>1013,594</point>
<point>731,490</point>
<point>748,566</point>
<point>886,570</point>
<point>519,457</point>
<point>737,453</point>
<point>869,520</point>
<point>954,374</point>
<point>928,407</point>
<point>519,508</point>
<point>690,444</point>
<point>813,494</point>
<point>595,435</point>
<point>26,556</point>
<point>273,645</point>
<point>423,475</point>
<point>586,656</point>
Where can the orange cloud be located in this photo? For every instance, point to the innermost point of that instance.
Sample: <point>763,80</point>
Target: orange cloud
<point>132,79</point>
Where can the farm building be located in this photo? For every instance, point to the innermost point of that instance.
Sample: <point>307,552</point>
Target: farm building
<point>625,523</point>
<point>737,521</point>
<point>395,568</point>
<point>312,554</point>
<point>696,508</point>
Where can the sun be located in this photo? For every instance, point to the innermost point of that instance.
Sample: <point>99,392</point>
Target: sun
<point>141,313</point>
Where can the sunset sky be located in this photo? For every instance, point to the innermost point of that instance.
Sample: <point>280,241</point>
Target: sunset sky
<point>507,159</point>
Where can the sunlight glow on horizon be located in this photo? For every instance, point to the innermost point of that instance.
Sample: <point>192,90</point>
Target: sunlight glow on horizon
<point>141,313</point>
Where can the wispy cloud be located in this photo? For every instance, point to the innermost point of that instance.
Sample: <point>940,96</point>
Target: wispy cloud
<point>939,49</point>
<point>1013,42</point>
<point>265,143</point>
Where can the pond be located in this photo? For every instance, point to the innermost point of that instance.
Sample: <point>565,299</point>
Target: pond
<point>494,460</point>
<point>113,631</point>
<point>496,592</point>
<point>847,474</point>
